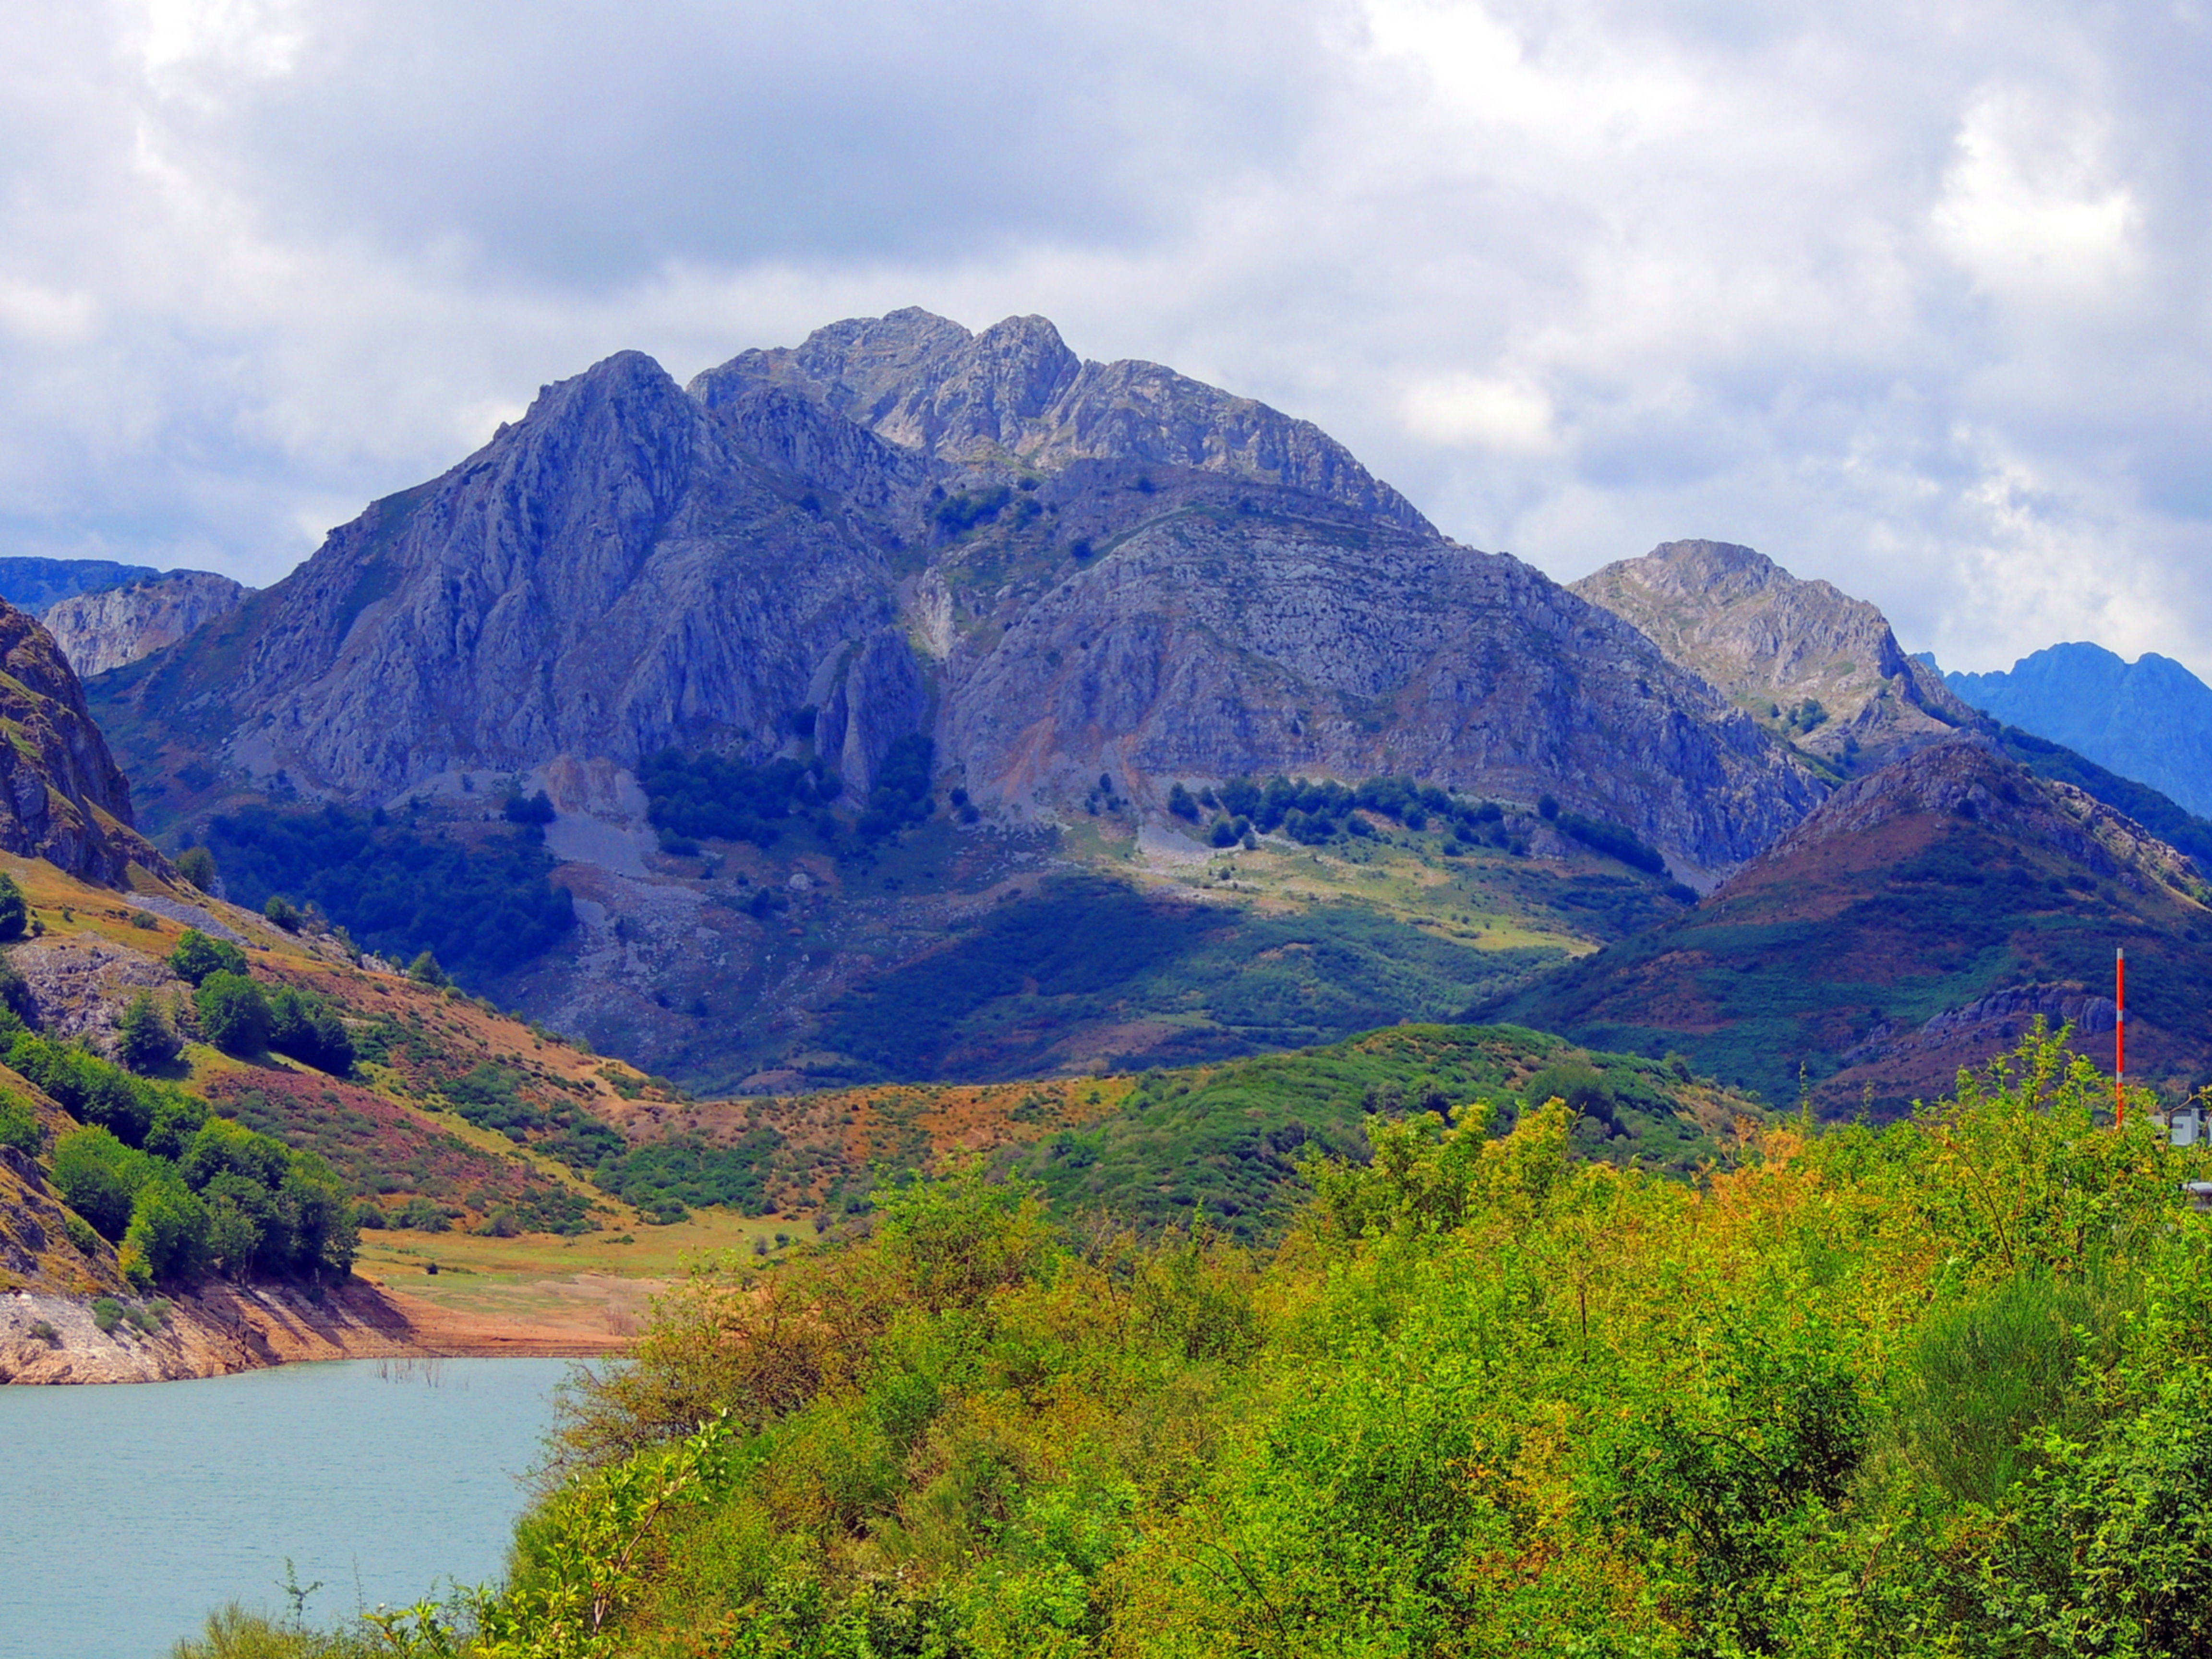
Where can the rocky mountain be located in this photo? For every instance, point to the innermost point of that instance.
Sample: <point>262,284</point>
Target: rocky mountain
<point>1916,922</point>
<point>1056,569</point>
<point>36,585</point>
<point>62,796</point>
<point>111,626</point>
<point>1815,666</point>
<point>1016,391</point>
<point>1061,596</point>
<point>2149,719</point>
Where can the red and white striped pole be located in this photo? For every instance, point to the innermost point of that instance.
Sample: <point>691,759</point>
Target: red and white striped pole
<point>2120,1037</point>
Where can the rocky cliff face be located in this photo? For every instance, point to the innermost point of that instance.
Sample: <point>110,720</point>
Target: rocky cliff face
<point>113,626</point>
<point>62,796</point>
<point>1215,643</point>
<point>617,573</point>
<point>2150,720</point>
<point>1773,644</point>
<point>1106,568</point>
<point>37,585</point>
<point>1016,391</point>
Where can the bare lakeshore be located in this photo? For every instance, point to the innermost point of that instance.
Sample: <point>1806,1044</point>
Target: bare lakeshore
<point>221,1328</point>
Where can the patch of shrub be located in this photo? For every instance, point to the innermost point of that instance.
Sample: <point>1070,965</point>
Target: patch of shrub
<point>197,866</point>
<point>484,909</point>
<point>107,1313</point>
<point>303,1025</point>
<point>901,795</point>
<point>691,797</point>
<point>18,1124</point>
<point>196,956</point>
<point>143,1039</point>
<point>15,913</point>
<point>234,1013</point>
<point>536,809</point>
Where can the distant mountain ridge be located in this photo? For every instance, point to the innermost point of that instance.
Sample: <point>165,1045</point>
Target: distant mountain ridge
<point>2150,720</point>
<point>1916,922</point>
<point>34,585</point>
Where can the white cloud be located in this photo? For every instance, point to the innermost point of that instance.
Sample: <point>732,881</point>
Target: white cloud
<point>1912,298</point>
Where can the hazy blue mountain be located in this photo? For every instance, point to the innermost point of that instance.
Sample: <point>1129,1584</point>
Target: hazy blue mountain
<point>2150,720</point>
<point>32,584</point>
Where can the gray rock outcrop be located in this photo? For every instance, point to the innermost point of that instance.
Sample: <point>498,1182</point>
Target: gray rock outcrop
<point>112,626</point>
<point>1772,643</point>
<point>1015,390</point>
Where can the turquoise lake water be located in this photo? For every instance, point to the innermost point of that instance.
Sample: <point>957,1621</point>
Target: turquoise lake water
<point>127,1513</point>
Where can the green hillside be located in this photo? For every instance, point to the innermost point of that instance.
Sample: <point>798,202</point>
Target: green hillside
<point>1940,1389</point>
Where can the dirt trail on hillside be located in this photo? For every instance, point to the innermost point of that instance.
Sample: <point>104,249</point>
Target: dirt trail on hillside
<point>223,1329</point>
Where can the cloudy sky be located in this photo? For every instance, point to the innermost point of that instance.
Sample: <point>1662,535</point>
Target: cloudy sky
<point>1912,297</point>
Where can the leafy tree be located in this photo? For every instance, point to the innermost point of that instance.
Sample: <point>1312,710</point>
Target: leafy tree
<point>89,1089</point>
<point>99,1177</point>
<point>15,913</point>
<point>143,1039</point>
<point>197,866</point>
<point>529,809</point>
<point>223,1147</point>
<point>196,956</point>
<point>304,1024</point>
<point>425,970</point>
<point>283,912</point>
<point>18,1124</point>
<point>168,1229</point>
<point>234,1014</point>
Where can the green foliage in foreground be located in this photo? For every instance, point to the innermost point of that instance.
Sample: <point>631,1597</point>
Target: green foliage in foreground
<point>1223,1146</point>
<point>1943,1388</point>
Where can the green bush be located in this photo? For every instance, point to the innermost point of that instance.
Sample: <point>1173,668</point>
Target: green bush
<point>283,912</point>
<point>81,1233</point>
<point>99,1177</point>
<point>234,1013</point>
<point>18,1124</point>
<point>168,1229</point>
<point>107,1313</point>
<point>15,913</point>
<point>303,1025</point>
<point>484,908</point>
<point>196,956</point>
<point>197,866</point>
<point>144,1040</point>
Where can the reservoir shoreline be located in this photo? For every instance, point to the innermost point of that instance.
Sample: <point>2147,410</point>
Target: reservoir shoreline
<point>220,1329</point>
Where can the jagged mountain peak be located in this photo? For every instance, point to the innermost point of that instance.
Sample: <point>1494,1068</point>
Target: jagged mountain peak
<point>1017,392</point>
<point>1820,666</point>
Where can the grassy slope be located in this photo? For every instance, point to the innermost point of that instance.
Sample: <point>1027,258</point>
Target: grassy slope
<point>1219,1143</point>
<point>1800,961</point>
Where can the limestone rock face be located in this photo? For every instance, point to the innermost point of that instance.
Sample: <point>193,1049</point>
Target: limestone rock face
<point>1772,642</point>
<point>1016,390</point>
<point>106,629</point>
<point>1210,646</point>
<point>62,796</point>
<point>879,698</point>
<point>1108,568</point>
<point>614,573</point>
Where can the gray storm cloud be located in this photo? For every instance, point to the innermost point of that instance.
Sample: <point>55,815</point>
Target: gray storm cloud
<point>1910,298</point>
